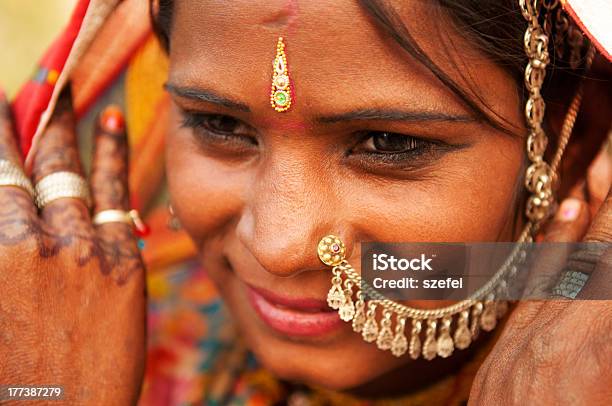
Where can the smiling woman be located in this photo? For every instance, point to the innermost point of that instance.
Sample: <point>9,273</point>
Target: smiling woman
<point>297,128</point>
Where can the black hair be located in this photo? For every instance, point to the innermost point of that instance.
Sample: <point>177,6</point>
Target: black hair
<point>161,18</point>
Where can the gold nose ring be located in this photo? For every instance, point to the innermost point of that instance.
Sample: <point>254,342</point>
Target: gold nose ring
<point>358,303</point>
<point>331,250</point>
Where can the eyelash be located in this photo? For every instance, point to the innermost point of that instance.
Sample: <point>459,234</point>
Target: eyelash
<point>198,123</point>
<point>418,147</point>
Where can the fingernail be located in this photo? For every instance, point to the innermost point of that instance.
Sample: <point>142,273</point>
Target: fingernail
<point>111,119</point>
<point>569,210</point>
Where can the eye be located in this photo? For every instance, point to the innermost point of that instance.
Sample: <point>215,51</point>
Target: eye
<point>378,150</point>
<point>222,124</point>
<point>218,127</point>
<point>389,143</point>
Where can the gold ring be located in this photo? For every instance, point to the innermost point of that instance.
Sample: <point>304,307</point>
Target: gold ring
<point>112,216</point>
<point>12,175</point>
<point>121,216</point>
<point>59,185</point>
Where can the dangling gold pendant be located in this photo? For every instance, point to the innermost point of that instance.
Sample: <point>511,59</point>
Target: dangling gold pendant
<point>280,95</point>
<point>440,341</point>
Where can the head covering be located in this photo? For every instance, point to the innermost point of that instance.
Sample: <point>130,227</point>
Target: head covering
<point>593,17</point>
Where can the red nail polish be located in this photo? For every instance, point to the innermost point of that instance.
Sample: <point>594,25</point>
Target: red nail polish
<point>140,227</point>
<point>143,230</point>
<point>112,119</point>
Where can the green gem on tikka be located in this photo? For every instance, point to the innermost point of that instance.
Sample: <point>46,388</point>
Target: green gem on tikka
<point>281,97</point>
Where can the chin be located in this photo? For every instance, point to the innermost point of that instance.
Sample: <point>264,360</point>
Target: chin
<point>301,365</point>
<point>341,363</point>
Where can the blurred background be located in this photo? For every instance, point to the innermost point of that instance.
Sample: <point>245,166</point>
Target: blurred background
<point>27,27</point>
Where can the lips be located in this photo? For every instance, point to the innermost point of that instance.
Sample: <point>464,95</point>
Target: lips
<point>300,317</point>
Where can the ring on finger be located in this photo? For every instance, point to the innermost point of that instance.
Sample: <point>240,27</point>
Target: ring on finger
<point>580,265</point>
<point>59,185</point>
<point>13,175</point>
<point>131,217</point>
<point>570,284</point>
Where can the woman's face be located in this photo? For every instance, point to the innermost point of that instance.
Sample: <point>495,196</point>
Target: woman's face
<point>374,148</point>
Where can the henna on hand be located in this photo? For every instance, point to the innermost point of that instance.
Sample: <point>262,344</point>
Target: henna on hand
<point>60,276</point>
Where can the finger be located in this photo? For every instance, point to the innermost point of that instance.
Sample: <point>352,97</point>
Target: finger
<point>8,141</point>
<point>109,175</point>
<point>599,267</point>
<point>599,178</point>
<point>599,284</point>
<point>109,181</point>
<point>57,152</point>
<point>578,191</point>
<point>569,225</point>
<point>601,228</point>
<point>17,210</point>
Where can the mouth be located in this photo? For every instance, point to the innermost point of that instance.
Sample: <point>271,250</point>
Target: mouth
<point>298,317</point>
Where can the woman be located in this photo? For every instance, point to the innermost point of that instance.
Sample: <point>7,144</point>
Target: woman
<point>374,121</point>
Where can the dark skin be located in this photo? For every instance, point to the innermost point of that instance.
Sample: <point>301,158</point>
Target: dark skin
<point>257,189</point>
<point>276,183</point>
<point>88,279</point>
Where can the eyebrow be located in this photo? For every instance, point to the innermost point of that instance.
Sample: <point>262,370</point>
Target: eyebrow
<point>206,95</point>
<point>209,96</point>
<point>394,115</point>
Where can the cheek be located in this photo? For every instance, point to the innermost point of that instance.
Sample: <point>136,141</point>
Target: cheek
<point>205,194</point>
<point>473,199</point>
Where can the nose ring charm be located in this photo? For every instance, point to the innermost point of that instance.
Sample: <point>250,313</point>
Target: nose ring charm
<point>331,250</point>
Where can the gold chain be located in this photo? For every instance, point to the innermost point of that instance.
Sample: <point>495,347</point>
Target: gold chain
<point>539,176</point>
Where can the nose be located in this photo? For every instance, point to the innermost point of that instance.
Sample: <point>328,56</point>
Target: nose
<point>285,215</point>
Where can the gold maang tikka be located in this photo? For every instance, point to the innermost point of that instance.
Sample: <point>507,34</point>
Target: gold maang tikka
<point>280,95</point>
<point>399,328</point>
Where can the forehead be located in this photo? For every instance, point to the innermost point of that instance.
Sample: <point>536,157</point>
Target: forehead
<point>335,51</point>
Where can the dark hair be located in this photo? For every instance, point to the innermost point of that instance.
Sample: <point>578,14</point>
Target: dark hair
<point>161,18</point>
<point>496,27</point>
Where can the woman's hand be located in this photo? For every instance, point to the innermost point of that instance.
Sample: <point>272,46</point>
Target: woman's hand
<point>72,295</point>
<point>558,352</point>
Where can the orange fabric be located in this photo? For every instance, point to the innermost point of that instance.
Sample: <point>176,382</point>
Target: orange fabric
<point>122,34</point>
